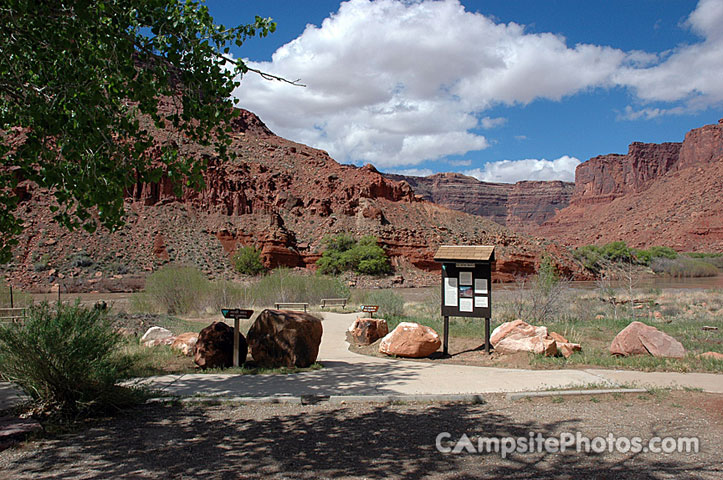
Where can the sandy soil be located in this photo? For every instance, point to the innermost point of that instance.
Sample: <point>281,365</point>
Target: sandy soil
<point>377,441</point>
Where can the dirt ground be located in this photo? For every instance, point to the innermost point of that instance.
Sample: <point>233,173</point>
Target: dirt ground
<point>378,441</point>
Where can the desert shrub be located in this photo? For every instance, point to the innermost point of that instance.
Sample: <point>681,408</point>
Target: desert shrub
<point>539,298</point>
<point>177,290</point>
<point>282,285</point>
<point>80,260</point>
<point>390,303</point>
<point>616,252</point>
<point>66,358</point>
<point>589,256</point>
<point>683,266</point>
<point>247,260</point>
<point>343,253</point>
<point>644,257</point>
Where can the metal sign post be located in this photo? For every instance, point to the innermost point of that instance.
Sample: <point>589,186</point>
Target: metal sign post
<point>466,285</point>
<point>237,314</point>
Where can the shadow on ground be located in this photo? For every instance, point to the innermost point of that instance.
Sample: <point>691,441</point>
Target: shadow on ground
<point>336,378</point>
<point>366,441</point>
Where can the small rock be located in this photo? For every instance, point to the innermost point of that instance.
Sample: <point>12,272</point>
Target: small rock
<point>540,345</point>
<point>712,355</point>
<point>410,340</point>
<point>599,317</point>
<point>157,336</point>
<point>365,331</point>
<point>567,349</point>
<point>558,338</point>
<point>185,343</point>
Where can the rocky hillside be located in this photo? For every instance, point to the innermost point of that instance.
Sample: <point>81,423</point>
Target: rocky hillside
<point>281,196</point>
<point>521,206</point>
<point>668,194</point>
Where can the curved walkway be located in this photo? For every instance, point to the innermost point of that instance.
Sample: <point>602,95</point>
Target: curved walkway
<point>348,373</point>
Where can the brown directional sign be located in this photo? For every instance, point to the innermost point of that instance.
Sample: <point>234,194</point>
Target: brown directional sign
<point>370,308</point>
<point>236,313</point>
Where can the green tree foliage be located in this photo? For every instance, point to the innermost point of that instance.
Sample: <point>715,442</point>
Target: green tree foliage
<point>594,257</point>
<point>66,358</point>
<point>343,253</point>
<point>247,260</point>
<point>81,83</point>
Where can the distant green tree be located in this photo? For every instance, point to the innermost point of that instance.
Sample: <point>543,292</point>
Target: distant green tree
<point>343,253</point>
<point>81,83</point>
<point>247,260</point>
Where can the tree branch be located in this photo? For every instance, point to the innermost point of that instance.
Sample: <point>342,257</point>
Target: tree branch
<point>264,75</point>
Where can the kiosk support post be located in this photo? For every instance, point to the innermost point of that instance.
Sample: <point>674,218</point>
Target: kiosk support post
<point>446,336</point>
<point>487,336</point>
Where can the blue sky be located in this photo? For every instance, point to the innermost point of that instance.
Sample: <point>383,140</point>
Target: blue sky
<point>502,90</point>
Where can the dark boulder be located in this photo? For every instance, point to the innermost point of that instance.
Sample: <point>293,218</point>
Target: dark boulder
<point>214,348</point>
<point>282,338</point>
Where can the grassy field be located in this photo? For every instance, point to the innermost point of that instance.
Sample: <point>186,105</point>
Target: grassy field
<point>589,318</point>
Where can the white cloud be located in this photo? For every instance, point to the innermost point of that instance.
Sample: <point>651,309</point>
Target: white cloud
<point>397,83</point>
<point>413,172</point>
<point>690,74</point>
<point>511,171</point>
<point>489,122</point>
<point>460,163</point>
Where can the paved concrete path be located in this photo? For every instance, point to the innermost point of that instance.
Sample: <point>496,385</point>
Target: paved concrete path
<point>348,373</point>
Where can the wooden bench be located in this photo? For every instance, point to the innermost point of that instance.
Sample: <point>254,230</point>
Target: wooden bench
<point>291,306</point>
<point>12,314</point>
<point>327,302</point>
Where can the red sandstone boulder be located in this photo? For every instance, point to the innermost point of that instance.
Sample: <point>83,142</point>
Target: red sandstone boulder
<point>185,343</point>
<point>410,340</point>
<point>365,331</point>
<point>711,355</point>
<point>567,348</point>
<point>540,345</point>
<point>282,338</point>
<point>640,339</point>
<point>518,328</point>
<point>214,348</point>
<point>520,336</point>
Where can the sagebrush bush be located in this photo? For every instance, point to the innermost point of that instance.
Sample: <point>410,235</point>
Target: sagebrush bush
<point>390,304</point>
<point>247,260</point>
<point>285,286</point>
<point>178,290</point>
<point>66,358</point>
<point>683,266</point>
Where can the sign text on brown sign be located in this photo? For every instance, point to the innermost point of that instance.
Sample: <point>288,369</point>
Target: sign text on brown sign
<point>370,308</point>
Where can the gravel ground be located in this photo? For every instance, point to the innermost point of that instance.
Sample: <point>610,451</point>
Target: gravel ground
<point>377,441</point>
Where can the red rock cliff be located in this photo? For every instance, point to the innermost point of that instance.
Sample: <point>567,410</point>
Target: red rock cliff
<point>519,206</point>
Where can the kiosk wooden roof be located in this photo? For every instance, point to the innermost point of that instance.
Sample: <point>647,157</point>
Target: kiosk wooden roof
<point>465,253</point>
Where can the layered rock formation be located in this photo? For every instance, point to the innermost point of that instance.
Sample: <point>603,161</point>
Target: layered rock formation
<point>280,196</point>
<point>519,206</point>
<point>667,194</point>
